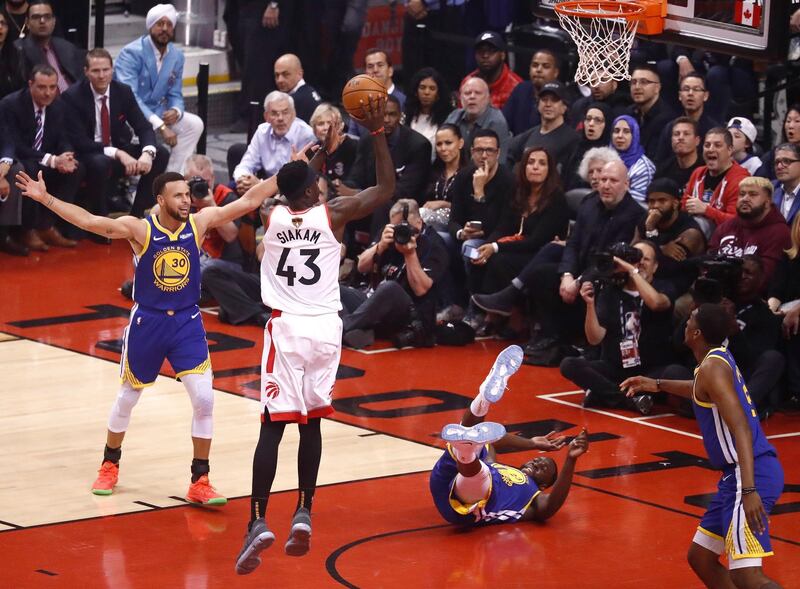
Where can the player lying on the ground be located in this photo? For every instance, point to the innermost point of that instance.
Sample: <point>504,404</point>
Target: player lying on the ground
<point>470,488</point>
<point>736,522</point>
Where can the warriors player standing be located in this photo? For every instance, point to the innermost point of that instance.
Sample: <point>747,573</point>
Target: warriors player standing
<point>302,339</point>
<point>165,321</point>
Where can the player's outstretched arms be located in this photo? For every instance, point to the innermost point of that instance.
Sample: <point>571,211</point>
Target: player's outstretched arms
<point>126,227</point>
<point>547,504</point>
<point>211,217</point>
<point>551,441</point>
<point>639,385</point>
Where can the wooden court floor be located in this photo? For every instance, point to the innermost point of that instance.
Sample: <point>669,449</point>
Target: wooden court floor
<point>631,514</point>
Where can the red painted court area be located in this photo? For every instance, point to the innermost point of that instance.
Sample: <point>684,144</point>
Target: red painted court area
<point>631,514</point>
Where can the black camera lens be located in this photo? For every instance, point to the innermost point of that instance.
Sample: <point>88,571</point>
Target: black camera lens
<point>198,188</point>
<point>403,233</point>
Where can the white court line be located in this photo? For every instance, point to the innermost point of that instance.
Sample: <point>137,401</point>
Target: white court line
<point>789,435</point>
<point>643,417</point>
<point>371,352</point>
<point>551,397</point>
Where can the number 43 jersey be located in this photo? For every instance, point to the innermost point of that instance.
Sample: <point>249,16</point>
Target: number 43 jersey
<point>300,267</point>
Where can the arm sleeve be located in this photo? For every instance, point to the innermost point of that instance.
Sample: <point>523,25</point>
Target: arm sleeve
<point>251,161</point>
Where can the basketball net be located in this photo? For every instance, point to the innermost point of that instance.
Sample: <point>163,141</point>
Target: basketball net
<point>604,34</point>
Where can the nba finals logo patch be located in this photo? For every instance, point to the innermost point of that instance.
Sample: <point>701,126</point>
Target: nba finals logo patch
<point>171,269</point>
<point>297,221</point>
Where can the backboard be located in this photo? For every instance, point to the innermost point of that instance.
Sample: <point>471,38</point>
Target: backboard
<point>756,29</point>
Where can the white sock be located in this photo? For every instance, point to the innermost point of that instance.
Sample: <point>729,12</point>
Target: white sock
<point>465,452</point>
<point>479,406</point>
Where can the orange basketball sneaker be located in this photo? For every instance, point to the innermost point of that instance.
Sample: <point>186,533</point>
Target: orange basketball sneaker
<point>107,478</point>
<point>202,493</point>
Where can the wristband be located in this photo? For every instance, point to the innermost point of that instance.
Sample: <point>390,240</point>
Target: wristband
<point>377,131</point>
<point>658,384</point>
<point>748,490</point>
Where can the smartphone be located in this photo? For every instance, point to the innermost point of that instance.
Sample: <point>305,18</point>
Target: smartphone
<point>476,225</point>
<point>471,253</point>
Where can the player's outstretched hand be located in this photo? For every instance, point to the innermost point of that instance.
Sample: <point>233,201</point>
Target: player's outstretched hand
<point>35,189</point>
<point>638,385</point>
<point>301,154</point>
<point>550,442</point>
<point>754,512</point>
<point>373,112</point>
<point>579,445</point>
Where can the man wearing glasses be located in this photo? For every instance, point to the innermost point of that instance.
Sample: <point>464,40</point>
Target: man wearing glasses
<point>41,47</point>
<point>787,171</point>
<point>648,108</point>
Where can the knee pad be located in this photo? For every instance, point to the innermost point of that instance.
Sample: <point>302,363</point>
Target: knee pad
<point>121,411</point>
<point>199,387</point>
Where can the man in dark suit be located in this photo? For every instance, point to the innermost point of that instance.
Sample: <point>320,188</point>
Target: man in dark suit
<point>35,121</point>
<point>102,112</point>
<point>411,156</point>
<point>39,46</point>
<point>289,79</point>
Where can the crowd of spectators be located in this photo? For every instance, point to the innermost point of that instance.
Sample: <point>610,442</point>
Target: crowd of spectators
<point>589,221</point>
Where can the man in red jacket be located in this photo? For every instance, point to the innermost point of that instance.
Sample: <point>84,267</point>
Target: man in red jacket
<point>758,228</point>
<point>490,54</point>
<point>712,191</point>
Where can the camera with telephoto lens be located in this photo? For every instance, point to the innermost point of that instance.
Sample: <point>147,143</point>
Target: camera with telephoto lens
<point>719,279</point>
<point>198,187</point>
<point>404,231</point>
<point>603,271</point>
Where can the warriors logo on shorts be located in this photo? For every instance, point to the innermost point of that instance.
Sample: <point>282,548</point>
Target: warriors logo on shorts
<point>171,269</point>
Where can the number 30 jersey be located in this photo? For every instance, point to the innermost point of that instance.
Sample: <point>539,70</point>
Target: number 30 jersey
<point>300,267</point>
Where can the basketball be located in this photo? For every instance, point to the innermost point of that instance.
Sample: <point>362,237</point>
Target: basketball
<point>358,90</point>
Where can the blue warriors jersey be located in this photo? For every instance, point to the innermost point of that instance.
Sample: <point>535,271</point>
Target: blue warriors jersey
<point>511,493</point>
<point>168,268</point>
<point>717,438</point>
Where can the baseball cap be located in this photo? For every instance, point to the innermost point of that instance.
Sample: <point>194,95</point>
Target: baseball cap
<point>492,38</point>
<point>556,88</point>
<point>745,126</point>
<point>665,186</point>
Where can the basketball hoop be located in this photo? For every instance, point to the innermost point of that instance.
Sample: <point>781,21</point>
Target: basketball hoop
<point>604,33</point>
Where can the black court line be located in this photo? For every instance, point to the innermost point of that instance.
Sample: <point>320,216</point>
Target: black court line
<point>150,505</point>
<point>45,572</point>
<point>10,525</point>
<point>181,499</point>
<point>369,435</point>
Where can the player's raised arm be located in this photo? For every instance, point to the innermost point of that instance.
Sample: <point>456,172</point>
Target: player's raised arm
<point>547,504</point>
<point>211,217</point>
<point>127,227</point>
<point>348,208</point>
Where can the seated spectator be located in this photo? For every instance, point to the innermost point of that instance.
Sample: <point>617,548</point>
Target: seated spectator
<point>713,189</point>
<point>520,109</point>
<point>477,113</point>
<point>591,167</point>
<point>609,93</point>
<point>289,79</point>
<point>630,320</point>
<point>12,77</point>
<point>595,132</point>
<point>651,112</point>
<point>490,55</point>
<point>378,65</point>
<point>480,193</point>
<point>428,103</point>
<point>338,162</point>
<point>553,133</point>
<point>153,68</point>
<point>674,231</point>
<point>272,143</point>
<point>625,139</point>
<point>39,46</point>
<point>538,213</point>
<point>102,115</point>
<point>744,136</point>
<point>784,300</point>
<point>685,158</point>
<point>403,304</point>
<point>607,218</point>
<point>10,204</point>
<point>757,228</point>
<point>35,122</point>
<point>787,183</point>
<point>439,195</point>
<point>791,134</point>
<point>692,95</point>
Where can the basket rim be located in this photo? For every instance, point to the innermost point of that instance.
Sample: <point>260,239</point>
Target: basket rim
<point>630,9</point>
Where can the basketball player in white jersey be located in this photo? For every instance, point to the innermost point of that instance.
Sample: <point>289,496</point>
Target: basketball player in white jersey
<point>302,339</point>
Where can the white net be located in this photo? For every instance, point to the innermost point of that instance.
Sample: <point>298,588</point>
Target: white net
<point>604,37</point>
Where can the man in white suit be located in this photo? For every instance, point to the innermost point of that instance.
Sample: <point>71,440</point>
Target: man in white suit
<point>153,67</point>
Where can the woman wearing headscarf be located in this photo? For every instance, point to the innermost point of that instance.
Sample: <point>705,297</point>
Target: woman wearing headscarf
<point>625,139</point>
<point>595,132</point>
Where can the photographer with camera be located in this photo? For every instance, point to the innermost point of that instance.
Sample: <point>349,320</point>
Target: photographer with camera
<point>758,228</point>
<point>628,315</point>
<point>409,260</point>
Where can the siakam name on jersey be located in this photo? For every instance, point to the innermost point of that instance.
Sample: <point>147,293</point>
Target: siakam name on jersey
<point>309,235</point>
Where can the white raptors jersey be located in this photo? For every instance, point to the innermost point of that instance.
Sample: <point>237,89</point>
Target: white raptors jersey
<point>300,267</point>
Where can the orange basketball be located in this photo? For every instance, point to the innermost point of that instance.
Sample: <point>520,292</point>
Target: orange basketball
<point>358,90</point>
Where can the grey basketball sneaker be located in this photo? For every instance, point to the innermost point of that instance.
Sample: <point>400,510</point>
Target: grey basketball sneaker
<point>256,540</point>
<point>300,535</point>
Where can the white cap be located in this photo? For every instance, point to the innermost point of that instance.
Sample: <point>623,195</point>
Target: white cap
<point>745,126</point>
<point>159,11</point>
